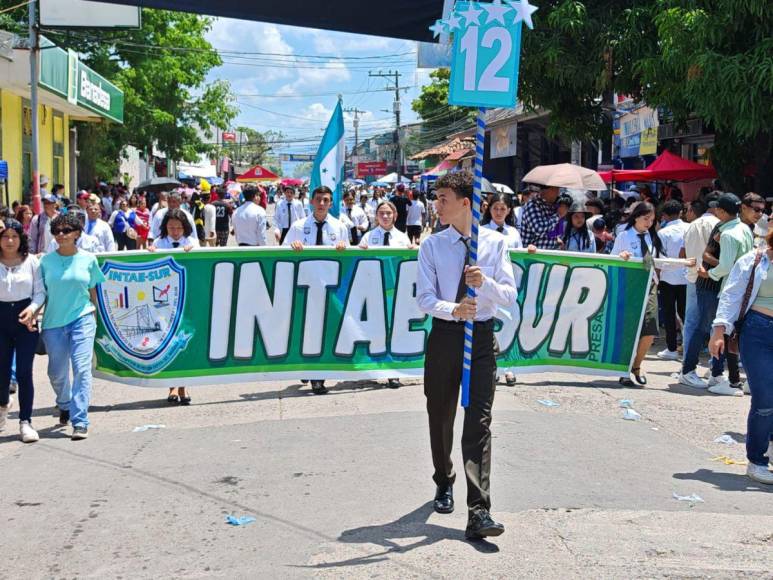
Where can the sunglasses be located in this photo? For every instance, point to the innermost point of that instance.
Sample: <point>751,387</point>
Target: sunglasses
<point>63,231</point>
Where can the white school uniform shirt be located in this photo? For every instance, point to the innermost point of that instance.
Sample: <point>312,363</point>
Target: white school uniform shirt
<point>510,233</point>
<point>102,231</point>
<point>168,243</point>
<point>628,241</point>
<point>357,217</point>
<point>155,223</point>
<point>287,213</point>
<point>672,236</point>
<point>87,243</point>
<point>305,231</point>
<point>415,212</point>
<point>209,221</point>
<point>249,224</point>
<point>441,260</point>
<point>695,239</point>
<point>21,282</point>
<point>375,237</point>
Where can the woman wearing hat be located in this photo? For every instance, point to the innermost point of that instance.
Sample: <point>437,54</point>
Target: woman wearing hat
<point>577,237</point>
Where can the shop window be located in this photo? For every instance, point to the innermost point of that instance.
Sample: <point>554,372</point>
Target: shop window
<point>26,121</point>
<point>58,148</point>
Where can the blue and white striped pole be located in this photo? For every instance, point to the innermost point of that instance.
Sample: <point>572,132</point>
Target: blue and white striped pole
<point>480,135</point>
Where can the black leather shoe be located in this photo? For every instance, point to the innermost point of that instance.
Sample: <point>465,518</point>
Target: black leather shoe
<point>393,383</point>
<point>318,387</point>
<point>480,525</point>
<point>444,499</point>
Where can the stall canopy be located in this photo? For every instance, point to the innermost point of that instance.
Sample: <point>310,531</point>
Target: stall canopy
<point>409,19</point>
<point>257,173</point>
<point>666,167</point>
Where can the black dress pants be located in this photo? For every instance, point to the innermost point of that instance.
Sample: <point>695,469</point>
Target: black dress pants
<point>442,379</point>
<point>672,298</point>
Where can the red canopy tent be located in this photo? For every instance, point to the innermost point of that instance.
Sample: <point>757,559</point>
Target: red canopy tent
<point>292,181</point>
<point>257,173</point>
<point>666,167</point>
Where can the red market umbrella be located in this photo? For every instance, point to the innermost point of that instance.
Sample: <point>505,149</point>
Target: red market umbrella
<point>666,167</point>
<point>257,173</point>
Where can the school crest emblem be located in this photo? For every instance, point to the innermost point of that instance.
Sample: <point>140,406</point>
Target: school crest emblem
<point>141,307</point>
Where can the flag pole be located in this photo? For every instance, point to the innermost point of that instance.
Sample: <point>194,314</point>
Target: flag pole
<point>480,135</point>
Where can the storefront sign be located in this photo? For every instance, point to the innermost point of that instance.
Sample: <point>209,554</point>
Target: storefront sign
<point>371,168</point>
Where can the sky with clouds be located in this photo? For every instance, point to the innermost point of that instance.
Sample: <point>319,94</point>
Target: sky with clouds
<point>286,78</point>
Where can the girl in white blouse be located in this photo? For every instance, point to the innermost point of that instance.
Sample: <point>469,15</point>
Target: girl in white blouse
<point>22,293</point>
<point>386,234</point>
<point>640,240</point>
<point>497,216</point>
<point>176,234</point>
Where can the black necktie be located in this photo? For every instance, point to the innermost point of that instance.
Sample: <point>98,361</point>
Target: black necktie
<point>353,230</point>
<point>319,232</point>
<point>289,214</point>
<point>645,249</point>
<point>461,290</point>
<point>501,229</point>
<point>386,238</point>
<point>175,244</point>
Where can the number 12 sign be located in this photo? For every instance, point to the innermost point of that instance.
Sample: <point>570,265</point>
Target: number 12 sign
<point>484,65</point>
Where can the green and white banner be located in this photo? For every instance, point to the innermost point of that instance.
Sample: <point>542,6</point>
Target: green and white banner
<point>244,314</point>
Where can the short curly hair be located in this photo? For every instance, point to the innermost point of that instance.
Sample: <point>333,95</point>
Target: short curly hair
<point>67,220</point>
<point>459,182</point>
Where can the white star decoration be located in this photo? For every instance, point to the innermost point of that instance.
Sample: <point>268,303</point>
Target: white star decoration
<point>524,10</point>
<point>453,22</point>
<point>496,11</point>
<point>471,15</point>
<point>438,28</point>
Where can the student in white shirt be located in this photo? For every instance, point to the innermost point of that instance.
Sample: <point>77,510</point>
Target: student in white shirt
<point>22,293</point>
<point>442,278</point>
<point>416,214</point>
<point>497,217</point>
<point>639,240</point>
<point>672,287</point>
<point>174,201</point>
<point>249,220</point>
<point>97,227</point>
<point>358,221</point>
<point>288,211</point>
<point>319,229</point>
<point>386,234</point>
<point>176,233</point>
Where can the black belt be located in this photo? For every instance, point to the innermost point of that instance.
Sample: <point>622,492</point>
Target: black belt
<point>18,304</point>
<point>460,324</point>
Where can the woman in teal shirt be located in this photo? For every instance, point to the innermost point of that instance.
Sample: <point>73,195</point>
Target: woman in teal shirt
<point>69,322</point>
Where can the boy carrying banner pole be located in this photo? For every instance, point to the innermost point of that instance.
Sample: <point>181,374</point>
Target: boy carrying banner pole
<point>441,283</point>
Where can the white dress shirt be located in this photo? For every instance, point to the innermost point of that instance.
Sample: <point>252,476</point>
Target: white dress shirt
<point>510,233</point>
<point>23,282</point>
<point>415,212</point>
<point>168,243</point>
<point>628,241</point>
<point>672,237</point>
<point>397,239</point>
<point>209,221</point>
<point>357,218</point>
<point>441,261</point>
<point>87,243</point>
<point>101,230</point>
<point>305,231</point>
<point>249,223</point>
<point>155,223</point>
<point>288,213</point>
<point>695,239</point>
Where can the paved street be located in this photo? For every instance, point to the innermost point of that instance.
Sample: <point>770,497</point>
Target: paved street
<point>340,486</point>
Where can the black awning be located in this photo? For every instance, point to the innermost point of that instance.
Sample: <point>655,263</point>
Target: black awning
<point>408,19</point>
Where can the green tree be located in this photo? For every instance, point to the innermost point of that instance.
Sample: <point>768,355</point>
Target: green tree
<point>162,69</point>
<point>253,147</point>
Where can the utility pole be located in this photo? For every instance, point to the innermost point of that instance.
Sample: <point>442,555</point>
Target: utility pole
<point>396,108</point>
<point>34,74</point>
<point>356,122</point>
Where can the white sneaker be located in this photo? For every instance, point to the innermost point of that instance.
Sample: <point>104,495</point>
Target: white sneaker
<point>743,385</point>
<point>759,473</point>
<point>691,379</point>
<point>3,416</point>
<point>716,380</point>
<point>668,354</point>
<point>26,433</point>
<point>724,388</point>
<point>770,450</point>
